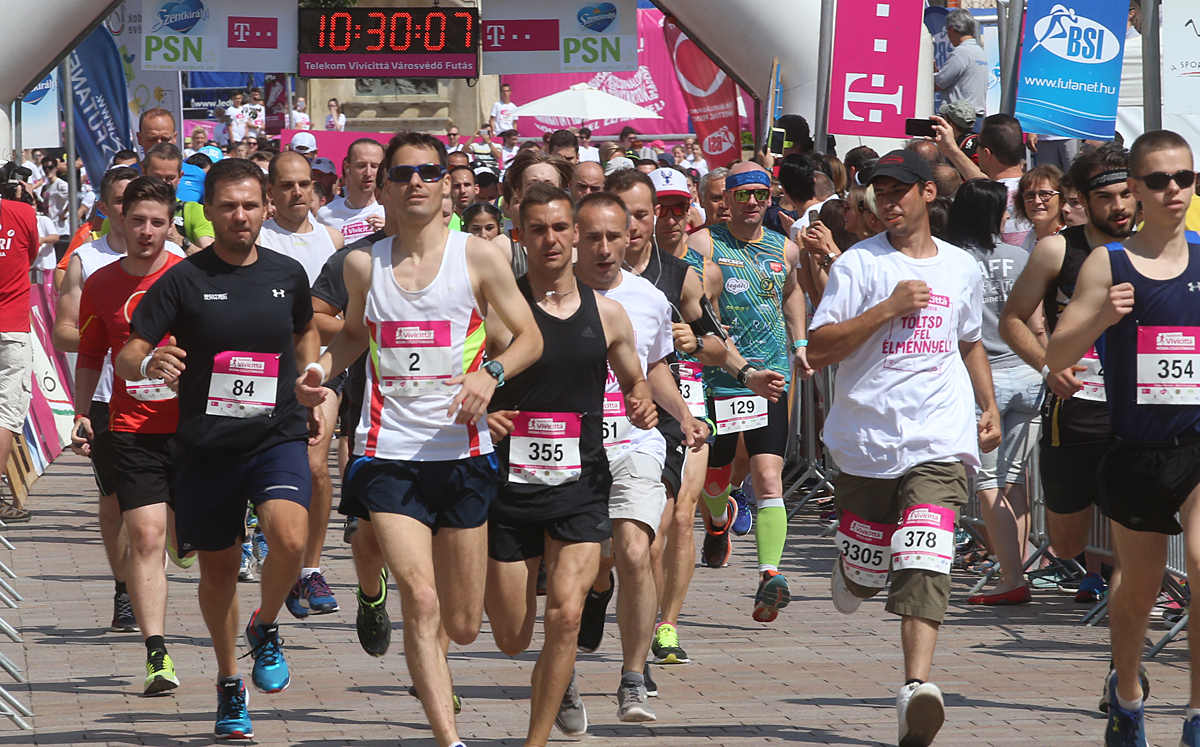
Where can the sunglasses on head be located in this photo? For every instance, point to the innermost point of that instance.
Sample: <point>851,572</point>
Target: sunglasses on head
<point>675,210</point>
<point>429,172</point>
<point>1159,180</point>
<point>743,195</point>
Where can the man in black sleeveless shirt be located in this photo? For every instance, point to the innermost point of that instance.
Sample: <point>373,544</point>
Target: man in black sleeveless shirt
<point>547,423</point>
<point>1075,429</point>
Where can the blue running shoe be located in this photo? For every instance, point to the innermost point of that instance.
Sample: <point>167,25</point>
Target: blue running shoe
<point>745,518</point>
<point>320,596</point>
<point>1125,728</point>
<point>773,595</point>
<point>258,542</point>
<point>1091,588</point>
<point>246,571</point>
<point>266,648</point>
<point>233,711</point>
<point>297,602</point>
<point>1191,733</point>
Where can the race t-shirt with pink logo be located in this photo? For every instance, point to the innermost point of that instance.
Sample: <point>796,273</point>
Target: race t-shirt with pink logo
<point>904,397</point>
<point>351,221</point>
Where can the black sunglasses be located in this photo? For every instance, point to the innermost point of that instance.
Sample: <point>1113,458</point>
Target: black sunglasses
<point>1159,180</point>
<point>429,172</point>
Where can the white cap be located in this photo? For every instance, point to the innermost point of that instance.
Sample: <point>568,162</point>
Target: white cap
<point>322,164</point>
<point>304,142</point>
<point>670,183</point>
<point>617,164</point>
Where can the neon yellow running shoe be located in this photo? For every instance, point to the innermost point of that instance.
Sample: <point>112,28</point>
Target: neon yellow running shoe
<point>173,556</point>
<point>160,673</point>
<point>666,648</point>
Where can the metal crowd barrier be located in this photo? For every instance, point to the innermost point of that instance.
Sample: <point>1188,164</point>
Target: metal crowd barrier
<point>9,705</point>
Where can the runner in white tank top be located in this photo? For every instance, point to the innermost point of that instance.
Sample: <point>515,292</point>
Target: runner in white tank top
<point>295,234</point>
<point>425,476</point>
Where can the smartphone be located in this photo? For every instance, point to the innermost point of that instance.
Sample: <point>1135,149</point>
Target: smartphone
<point>775,143</point>
<point>813,217</point>
<point>919,128</point>
<point>81,432</point>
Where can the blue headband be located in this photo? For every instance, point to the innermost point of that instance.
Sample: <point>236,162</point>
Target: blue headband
<point>733,181</point>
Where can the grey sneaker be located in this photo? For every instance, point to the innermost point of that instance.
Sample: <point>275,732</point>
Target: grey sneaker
<point>921,712</point>
<point>572,716</point>
<point>633,704</point>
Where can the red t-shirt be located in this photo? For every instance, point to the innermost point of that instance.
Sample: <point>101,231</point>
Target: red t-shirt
<point>19,244</point>
<point>105,308</point>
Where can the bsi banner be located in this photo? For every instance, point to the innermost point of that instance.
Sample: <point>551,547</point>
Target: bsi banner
<point>1070,70</point>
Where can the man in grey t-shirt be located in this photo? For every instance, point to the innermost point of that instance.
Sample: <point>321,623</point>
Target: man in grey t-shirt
<point>965,74</point>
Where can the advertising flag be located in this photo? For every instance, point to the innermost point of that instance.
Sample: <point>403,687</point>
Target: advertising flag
<point>711,98</point>
<point>1070,70</point>
<point>39,115</point>
<point>102,124</point>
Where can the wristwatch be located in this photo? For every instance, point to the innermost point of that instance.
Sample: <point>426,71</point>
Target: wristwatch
<point>699,345</point>
<point>496,369</point>
<point>744,373</point>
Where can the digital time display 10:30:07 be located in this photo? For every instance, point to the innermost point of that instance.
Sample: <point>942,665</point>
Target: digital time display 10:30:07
<point>389,42</point>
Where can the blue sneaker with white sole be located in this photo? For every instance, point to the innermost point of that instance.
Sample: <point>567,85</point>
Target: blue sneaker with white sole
<point>233,711</point>
<point>744,521</point>
<point>1125,728</point>
<point>1191,732</point>
<point>266,648</point>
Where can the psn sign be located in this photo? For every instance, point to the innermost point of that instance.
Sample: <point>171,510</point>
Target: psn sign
<point>1075,37</point>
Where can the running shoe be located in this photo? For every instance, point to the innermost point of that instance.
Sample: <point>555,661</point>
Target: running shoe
<point>1145,678</point>
<point>372,622</point>
<point>1191,732</point>
<point>666,648</point>
<point>651,685</point>
<point>572,716</point>
<point>718,545</point>
<point>458,704</point>
<point>320,596</point>
<point>233,711</point>
<point>921,712</point>
<point>246,572</point>
<point>295,602</point>
<point>123,620</point>
<point>1091,589</point>
<point>844,600</point>
<point>258,544</point>
<point>632,705</point>
<point>745,519</point>
<point>349,528</point>
<point>174,557</point>
<point>266,648</point>
<point>1125,728</point>
<point>595,610</point>
<point>773,595</point>
<point>160,674</point>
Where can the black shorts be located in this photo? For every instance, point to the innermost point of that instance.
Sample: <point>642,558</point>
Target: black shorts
<point>211,491</point>
<point>353,390</point>
<point>336,383</point>
<point>772,438</point>
<point>350,505</point>
<point>1142,485</point>
<point>574,512</point>
<point>143,468</point>
<point>672,475</point>
<point>102,449</point>
<point>455,493</point>
<point>1071,475</point>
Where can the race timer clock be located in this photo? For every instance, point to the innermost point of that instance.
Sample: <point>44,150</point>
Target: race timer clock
<point>389,42</point>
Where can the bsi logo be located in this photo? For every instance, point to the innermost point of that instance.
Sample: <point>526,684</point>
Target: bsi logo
<point>1074,37</point>
<point>719,141</point>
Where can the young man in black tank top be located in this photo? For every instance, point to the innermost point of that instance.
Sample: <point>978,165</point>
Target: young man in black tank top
<point>550,505</point>
<point>1075,429</point>
<point>1139,298</point>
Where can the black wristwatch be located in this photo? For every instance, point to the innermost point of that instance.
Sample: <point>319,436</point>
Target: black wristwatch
<point>744,373</point>
<point>496,370</point>
<point>699,345</point>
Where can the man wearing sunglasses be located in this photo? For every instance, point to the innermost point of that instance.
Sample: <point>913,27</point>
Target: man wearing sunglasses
<point>424,468</point>
<point>357,213</point>
<point>1141,296</point>
<point>762,305</point>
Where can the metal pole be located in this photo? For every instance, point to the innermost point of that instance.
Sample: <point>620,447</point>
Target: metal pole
<point>16,124</point>
<point>1002,35</point>
<point>288,88</point>
<point>1151,66</point>
<point>824,66</point>
<point>1016,19</point>
<point>64,75</point>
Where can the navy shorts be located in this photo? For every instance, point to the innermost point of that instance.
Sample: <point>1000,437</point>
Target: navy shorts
<point>455,494</point>
<point>211,492</point>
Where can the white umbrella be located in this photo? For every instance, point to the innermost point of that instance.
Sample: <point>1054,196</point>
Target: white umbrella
<point>583,103</point>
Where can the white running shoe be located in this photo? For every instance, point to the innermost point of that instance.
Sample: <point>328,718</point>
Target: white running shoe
<point>843,599</point>
<point>921,712</point>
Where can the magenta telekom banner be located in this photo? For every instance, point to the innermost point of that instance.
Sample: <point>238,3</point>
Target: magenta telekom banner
<point>653,85</point>
<point>876,60</point>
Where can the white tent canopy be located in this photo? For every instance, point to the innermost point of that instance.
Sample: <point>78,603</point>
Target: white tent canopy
<point>583,103</point>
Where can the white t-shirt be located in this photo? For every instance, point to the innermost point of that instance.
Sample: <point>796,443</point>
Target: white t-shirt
<point>37,173</point>
<point>589,154</point>
<point>256,116</point>
<point>1015,229</point>
<point>507,155</point>
<point>57,199</point>
<point>46,259</point>
<point>352,222</point>
<point>650,314</point>
<point>239,119</point>
<point>301,120</point>
<point>504,117</point>
<point>904,397</point>
<point>802,221</point>
<point>309,249</point>
<point>699,164</point>
<point>339,125</point>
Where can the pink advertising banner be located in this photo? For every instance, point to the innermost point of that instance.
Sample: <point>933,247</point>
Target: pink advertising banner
<point>333,144</point>
<point>653,85</point>
<point>876,55</point>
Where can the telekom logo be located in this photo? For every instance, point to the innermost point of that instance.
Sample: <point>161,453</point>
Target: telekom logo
<point>250,32</point>
<point>876,56</point>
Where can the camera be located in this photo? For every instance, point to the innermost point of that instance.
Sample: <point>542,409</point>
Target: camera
<point>11,188</point>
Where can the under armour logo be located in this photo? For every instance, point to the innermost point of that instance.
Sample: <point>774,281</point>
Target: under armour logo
<point>1194,286</point>
<point>278,292</point>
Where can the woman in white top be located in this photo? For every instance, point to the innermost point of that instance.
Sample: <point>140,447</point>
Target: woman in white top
<point>335,120</point>
<point>199,140</point>
<point>1039,200</point>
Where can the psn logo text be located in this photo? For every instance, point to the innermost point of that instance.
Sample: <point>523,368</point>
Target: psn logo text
<point>1071,36</point>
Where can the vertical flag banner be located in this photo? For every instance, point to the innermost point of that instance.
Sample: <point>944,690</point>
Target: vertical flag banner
<point>102,124</point>
<point>275,102</point>
<point>1181,57</point>
<point>876,61</point>
<point>39,115</point>
<point>1070,71</point>
<point>710,95</point>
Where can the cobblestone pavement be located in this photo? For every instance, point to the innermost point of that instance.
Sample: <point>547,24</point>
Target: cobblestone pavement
<point>1012,676</point>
